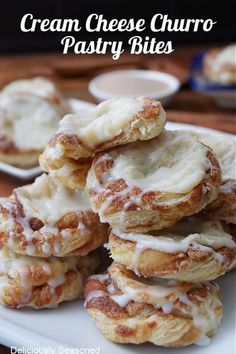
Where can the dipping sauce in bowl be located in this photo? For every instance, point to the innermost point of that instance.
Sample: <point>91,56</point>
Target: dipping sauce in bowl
<point>133,83</point>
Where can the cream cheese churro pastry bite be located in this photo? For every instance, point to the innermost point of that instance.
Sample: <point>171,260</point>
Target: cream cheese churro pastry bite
<point>224,206</point>
<point>112,123</point>
<point>192,250</point>
<point>220,65</point>
<point>151,185</point>
<point>45,219</point>
<point>42,282</point>
<point>130,309</point>
<point>29,114</point>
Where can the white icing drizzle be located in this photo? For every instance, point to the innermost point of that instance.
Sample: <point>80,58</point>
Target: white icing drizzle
<point>224,147</point>
<point>122,300</point>
<point>173,162</point>
<point>203,341</point>
<point>202,319</point>
<point>111,289</point>
<point>167,307</point>
<point>100,277</point>
<point>56,247</point>
<point>66,233</point>
<point>47,201</point>
<point>165,295</point>
<point>19,267</point>
<point>151,166</point>
<point>55,282</point>
<point>30,249</point>
<point>135,259</point>
<point>210,238</point>
<point>102,123</point>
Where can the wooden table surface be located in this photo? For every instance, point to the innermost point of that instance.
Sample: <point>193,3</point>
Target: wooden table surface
<point>72,74</point>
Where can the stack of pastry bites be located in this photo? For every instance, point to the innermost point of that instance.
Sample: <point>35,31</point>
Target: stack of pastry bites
<point>48,234</point>
<point>170,207</point>
<point>148,184</point>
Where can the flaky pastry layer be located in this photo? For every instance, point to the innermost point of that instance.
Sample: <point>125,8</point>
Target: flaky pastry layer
<point>128,309</point>
<point>42,283</point>
<point>45,219</point>
<point>151,185</point>
<point>192,250</point>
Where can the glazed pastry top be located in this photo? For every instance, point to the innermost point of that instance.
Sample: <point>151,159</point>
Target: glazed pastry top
<point>173,162</point>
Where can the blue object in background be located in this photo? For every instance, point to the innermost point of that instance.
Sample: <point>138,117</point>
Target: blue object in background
<point>198,81</point>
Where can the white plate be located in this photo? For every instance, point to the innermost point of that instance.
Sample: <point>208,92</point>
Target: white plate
<point>29,173</point>
<point>69,325</point>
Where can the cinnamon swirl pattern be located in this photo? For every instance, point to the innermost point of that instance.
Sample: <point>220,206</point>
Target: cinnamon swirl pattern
<point>192,250</point>
<point>45,219</point>
<point>151,185</point>
<point>165,197</point>
<point>128,309</point>
<point>42,282</point>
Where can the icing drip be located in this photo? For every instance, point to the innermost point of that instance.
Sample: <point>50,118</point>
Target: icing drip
<point>151,166</point>
<point>102,123</point>
<point>210,238</point>
<point>48,202</point>
<point>55,282</point>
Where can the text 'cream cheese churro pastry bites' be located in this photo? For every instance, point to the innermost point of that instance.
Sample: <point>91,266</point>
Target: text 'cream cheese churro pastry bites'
<point>151,185</point>
<point>42,282</point>
<point>44,219</point>
<point>30,110</point>
<point>112,123</point>
<point>131,309</point>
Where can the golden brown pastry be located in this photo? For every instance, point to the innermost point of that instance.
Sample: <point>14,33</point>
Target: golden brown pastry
<point>42,283</point>
<point>232,230</point>
<point>72,174</point>
<point>192,250</point>
<point>29,114</point>
<point>151,185</point>
<point>128,309</point>
<point>112,123</point>
<point>224,207</point>
<point>224,146</point>
<point>44,219</point>
<point>220,65</point>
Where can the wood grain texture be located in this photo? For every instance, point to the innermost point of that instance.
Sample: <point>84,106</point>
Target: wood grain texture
<point>72,74</point>
<point>4,350</point>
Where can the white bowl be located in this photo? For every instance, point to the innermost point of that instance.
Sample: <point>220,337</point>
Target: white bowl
<point>98,86</point>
